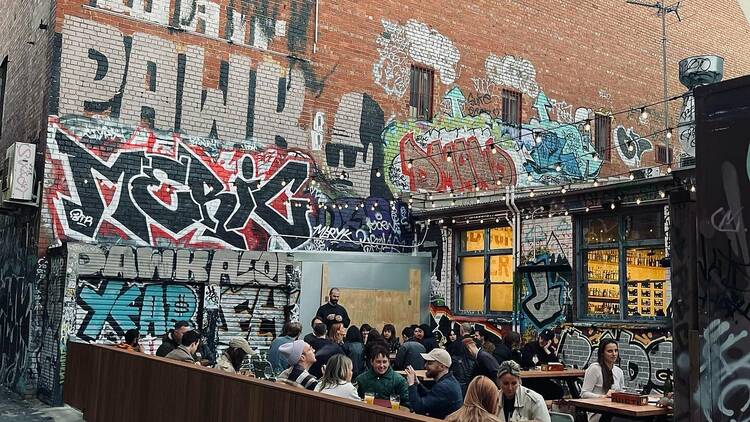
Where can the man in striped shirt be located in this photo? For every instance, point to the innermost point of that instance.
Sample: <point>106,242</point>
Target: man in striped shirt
<point>300,357</point>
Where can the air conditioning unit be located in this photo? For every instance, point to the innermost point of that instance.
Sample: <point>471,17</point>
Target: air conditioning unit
<point>18,184</point>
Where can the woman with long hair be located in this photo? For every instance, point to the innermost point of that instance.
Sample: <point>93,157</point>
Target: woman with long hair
<point>481,402</point>
<point>603,376</point>
<point>355,349</point>
<point>337,379</point>
<point>389,334</point>
<point>333,346</point>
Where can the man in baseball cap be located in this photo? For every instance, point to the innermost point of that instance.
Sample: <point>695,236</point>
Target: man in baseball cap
<point>300,356</point>
<point>445,396</point>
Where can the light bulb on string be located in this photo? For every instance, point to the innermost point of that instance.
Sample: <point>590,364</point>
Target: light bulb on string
<point>587,209</point>
<point>632,176</point>
<point>563,190</point>
<point>441,221</point>
<point>566,212</point>
<point>638,201</point>
<point>587,126</point>
<point>662,193</point>
<point>692,188</point>
<point>453,221</point>
<point>558,167</point>
<point>476,187</point>
<point>377,173</point>
<point>612,206</point>
<point>631,147</point>
<point>453,202</point>
<point>431,196</point>
<point>596,182</point>
<point>410,164</point>
<point>498,182</point>
<point>669,133</point>
<point>449,157</point>
<point>481,221</point>
<point>346,205</point>
<point>549,215</point>
<point>532,194</point>
<point>529,177</point>
<point>669,169</point>
<point>497,220</point>
<point>644,113</point>
<point>493,149</point>
<point>433,204</point>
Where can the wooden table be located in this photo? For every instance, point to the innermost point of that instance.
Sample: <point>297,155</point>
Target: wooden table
<point>569,375</point>
<point>605,405</point>
<point>421,374</point>
<point>565,373</point>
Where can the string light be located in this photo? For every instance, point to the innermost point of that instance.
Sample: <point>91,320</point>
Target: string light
<point>411,199</point>
<point>497,220</point>
<point>377,173</point>
<point>549,215</point>
<point>433,204</point>
<point>476,187</point>
<point>346,205</point>
<point>478,199</point>
<point>342,175</point>
<point>441,221</point>
<point>669,169</point>
<point>587,126</point>
<point>410,163</point>
<point>596,182</point>
<point>587,209</point>
<point>453,221</point>
<point>531,194</point>
<point>492,148</point>
<point>662,193</point>
<point>612,206</point>
<point>449,157</point>
<point>631,147</point>
<point>453,202</point>
<point>644,113</point>
<point>563,190</point>
<point>431,196</point>
<point>638,201</point>
<point>692,188</point>
<point>632,176</point>
<point>481,221</point>
<point>283,182</point>
<point>566,212</point>
<point>313,182</point>
<point>558,167</point>
<point>498,182</point>
<point>538,137</point>
<point>669,133</point>
<point>529,177</point>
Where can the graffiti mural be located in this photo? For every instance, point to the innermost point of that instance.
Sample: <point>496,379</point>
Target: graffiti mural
<point>630,146</point>
<point>545,292</point>
<point>153,187</point>
<point>399,45</point>
<point>118,288</point>
<point>463,152</point>
<point>512,72</point>
<point>645,356</point>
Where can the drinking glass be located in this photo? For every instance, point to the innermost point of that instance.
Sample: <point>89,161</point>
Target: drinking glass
<point>395,401</point>
<point>369,398</point>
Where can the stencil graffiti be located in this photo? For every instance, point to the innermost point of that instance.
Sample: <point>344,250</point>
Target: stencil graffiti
<point>630,146</point>
<point>513,72</point>
<point>398,45</point>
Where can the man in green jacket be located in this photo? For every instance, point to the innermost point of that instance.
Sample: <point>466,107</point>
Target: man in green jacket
<point>381,380</point>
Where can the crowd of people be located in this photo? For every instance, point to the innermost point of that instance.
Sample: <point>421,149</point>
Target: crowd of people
<point>471,378</point>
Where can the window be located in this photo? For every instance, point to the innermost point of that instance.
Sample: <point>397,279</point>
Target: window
<point>485,270</point>
<point>663,154</point>
<point>603,140</point>
<point>622,276</point>
<point>3,79</point>
<point>420,100</point>
<point>511,108</point>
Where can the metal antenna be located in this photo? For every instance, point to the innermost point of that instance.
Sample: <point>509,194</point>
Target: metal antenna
<point>662,11</point>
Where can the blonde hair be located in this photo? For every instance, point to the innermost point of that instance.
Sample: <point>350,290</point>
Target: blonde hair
<point>481,403</point>
<point>337,371</point>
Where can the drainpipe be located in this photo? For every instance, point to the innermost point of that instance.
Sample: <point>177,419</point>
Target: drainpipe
<point>510,202</point>
<point>315,42</point>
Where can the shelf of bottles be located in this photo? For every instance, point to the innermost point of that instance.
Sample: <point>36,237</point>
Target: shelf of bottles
<point>647,282</point>
<point>603,277</point>
<point>647,285</point>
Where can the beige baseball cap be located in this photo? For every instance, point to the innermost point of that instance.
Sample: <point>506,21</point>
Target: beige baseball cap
<point>439,355</point>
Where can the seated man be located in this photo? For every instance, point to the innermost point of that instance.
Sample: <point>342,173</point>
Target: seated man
<point>539,352</point>
<point>444,397</point>
<point>518,402</point>
<point>185,352</point>
<point>171,340</point>
<point>485,364</point>
<point>131,341</point>
<point>300,357</point>
<point>410,353</point>
<point>381,380</point>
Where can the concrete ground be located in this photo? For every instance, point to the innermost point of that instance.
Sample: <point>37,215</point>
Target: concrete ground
<point>15,409</point>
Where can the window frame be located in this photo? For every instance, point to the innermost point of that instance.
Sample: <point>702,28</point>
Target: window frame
<point>506,96</point>
<point>486,253</point>
<point>3,85</point>
<point>603,136</point>
<point>416,99</point>
<point>622,246</point>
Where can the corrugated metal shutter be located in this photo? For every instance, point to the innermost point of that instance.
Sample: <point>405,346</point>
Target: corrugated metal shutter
<point>255,307</point>
<point>106,308</point>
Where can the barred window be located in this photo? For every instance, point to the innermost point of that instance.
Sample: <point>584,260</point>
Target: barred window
<point>420,98</point>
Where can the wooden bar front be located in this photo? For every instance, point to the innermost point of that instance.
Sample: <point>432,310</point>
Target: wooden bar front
<point>108,384</point>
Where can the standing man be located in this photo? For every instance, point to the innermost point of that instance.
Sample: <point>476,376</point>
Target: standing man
<point>445,397</point>
<point>485,363</point>
<point>518,402</point>
<point>333,312</point>
<point>173,338</point>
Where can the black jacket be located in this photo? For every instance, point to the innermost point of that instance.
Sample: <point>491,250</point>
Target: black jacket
<point>444,398</point>
<point>167,345</point>
<point>322,356</point>
<point>409,354</point>
<point>534,348</point>
<point>503,353</point>
<point>486,365</point>
<point>326,309</point>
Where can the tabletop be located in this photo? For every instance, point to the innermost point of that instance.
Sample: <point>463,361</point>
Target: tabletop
<point>566,373</point>
<point>605,404</point>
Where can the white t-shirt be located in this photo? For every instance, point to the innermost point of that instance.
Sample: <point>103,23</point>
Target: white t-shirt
<point>593,385</point>
<point>345,390</point>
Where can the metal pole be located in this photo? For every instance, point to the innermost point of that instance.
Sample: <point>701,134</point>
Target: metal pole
<point>663,11</point>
